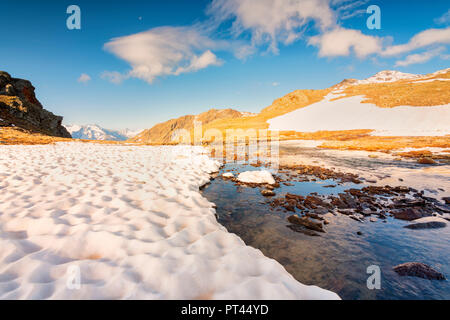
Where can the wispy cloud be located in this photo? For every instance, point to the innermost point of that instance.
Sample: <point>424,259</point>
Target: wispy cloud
<point>346,9</point>
<point>84,78</point>
<point>114,76</point>
<point>421,40</point>
<point>270,22</point>
<point>444,19</point>
<point>419,57</point>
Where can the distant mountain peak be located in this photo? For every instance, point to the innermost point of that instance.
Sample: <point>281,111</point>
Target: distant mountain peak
<point>388,76</point>
<point>96,132</point>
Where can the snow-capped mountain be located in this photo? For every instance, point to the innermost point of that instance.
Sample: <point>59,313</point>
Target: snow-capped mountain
<point>95,132</point>
<point>388,76</point>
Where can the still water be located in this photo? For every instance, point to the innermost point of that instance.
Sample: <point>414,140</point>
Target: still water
<point>338,259</point>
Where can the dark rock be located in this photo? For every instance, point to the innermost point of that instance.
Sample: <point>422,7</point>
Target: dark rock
<point>417,269</point>
<point>19,106</point>
<point>427,223</point>
<point>307,223</point>
<point>348,200</point>
<point>356,218</point>
<point>410,214</point>
<point>446,200</point>
<point>347,212</point>
<point>301,229</point>
<point>314,216</point>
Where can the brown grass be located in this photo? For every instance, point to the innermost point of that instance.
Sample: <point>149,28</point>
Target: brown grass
<point>15,135</point>
<point>402,93</point>
<point>387,144</point>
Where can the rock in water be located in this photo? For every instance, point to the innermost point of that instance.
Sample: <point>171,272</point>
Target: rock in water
<point>19,107</point>
<point>259,177</point>
<point>307,223</point>
<point>267,193</point>
<point>428,223</point>
<point>228,175</point>
<point>417,269</point>
<point>409,214</point>
<point>426,161</point>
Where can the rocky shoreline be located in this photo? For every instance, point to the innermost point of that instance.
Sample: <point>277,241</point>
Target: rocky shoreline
<point>365,204</point>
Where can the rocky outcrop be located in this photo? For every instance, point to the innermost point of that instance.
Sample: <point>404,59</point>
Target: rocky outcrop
<point>19,107</point>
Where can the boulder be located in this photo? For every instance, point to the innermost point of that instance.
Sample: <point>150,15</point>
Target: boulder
<point>409,214</point>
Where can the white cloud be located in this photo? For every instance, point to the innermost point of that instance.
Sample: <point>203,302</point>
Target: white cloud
<point>248,26</point>
<point>422,39</point>
<point>84,78</point>
<point>164,51</point>
<point>272,21</point>
<point>340,42</point>
<point>444,19</point>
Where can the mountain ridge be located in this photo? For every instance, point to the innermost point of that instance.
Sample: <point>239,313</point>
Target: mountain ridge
<point>386,89</point>
<point>96,132</point>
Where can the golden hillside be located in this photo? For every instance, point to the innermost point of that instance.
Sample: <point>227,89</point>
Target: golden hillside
<point>402,93</point>
<point>163,133</point>
<point>417,91</point>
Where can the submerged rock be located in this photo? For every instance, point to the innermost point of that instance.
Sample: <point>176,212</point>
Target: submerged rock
<point>307,223</point>
<point>428,223</point>
<point>302,229</point>
<point>417,269</point>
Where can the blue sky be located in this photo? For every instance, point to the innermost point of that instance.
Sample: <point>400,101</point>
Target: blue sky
<point>171,58</point>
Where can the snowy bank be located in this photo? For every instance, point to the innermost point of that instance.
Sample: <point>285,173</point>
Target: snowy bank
<point>129,222</point>
<point>351,114</point>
